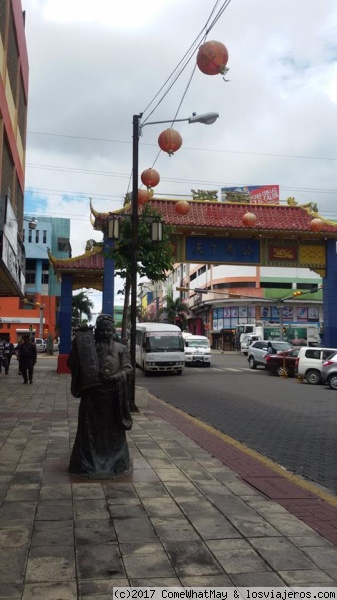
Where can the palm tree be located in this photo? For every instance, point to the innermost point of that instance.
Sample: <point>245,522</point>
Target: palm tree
<point>81,305</point>
<point>176,311</point>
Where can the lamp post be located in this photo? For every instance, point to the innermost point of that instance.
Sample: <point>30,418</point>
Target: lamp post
<point>207,119</point>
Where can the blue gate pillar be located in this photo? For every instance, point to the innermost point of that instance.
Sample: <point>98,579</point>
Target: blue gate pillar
<point>108,279</point>
<point>330,295</point>
<point>65,322</point>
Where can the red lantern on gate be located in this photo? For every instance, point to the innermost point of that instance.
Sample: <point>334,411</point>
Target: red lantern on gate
<point>182,207</point>
<point>170,141</point>
<point>249,219</point>
<point>143,196</point>
<point>316,225</point>
<point>150,178</point>
<point>212,58</point>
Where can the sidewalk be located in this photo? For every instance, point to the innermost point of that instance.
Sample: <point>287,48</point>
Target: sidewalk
<point>198,509</point>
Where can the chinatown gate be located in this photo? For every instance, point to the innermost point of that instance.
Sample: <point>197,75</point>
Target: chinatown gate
<point>287,235</point>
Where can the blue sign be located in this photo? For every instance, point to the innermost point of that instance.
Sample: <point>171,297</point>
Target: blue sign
<point>201,249</point>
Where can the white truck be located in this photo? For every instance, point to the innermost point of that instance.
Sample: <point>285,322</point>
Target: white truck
<point>299,334</point>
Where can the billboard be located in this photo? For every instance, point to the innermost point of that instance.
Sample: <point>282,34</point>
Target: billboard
<point>251,194</point>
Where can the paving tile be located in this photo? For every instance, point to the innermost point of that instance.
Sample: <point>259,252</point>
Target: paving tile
<point>324,558</point>
<point>23,492</point>
<point>50,591</point>
<point>182,489</point>
<point>17,511</point>
<point>52,510</point>
<point>134,530</point>
<point>308,577</point>
<point>237,556</point>
<point>99,587</point>
<point>281,554</point>
<point>313,539</point>
<point>126,511</point>
<point>55,492</point>
<point>84,491</point>
<point>192,559</point>
<point>288,524</point>
<point>150,490</point>
<point>253,526</point>
<point>170,529</point>
<point>171,475</point>
<point>161,508</point>
<point>119,490</point>
<point>47,533</point>
<point>99,561</point>
<point>14,538</point>
<point>95,532</point>
<point>266,579</point>
<point>11,591</point>
<point>214,527</point>
<point>12,564</point>
<point>90,509</point>
<point>50,563</point>
<point>143,560</point>
<point>161,582</point>
<point>207,581</point>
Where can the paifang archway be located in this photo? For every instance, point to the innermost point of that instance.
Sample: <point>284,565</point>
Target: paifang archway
<point>213,232</point>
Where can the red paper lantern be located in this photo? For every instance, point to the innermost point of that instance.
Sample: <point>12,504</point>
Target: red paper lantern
<point>249,219</point>
<point>182,207</point>
<point>170,141</point>
<point>143,196</point>
<point>150,178</point>
<point>316,225</point>
<point>212,58</point>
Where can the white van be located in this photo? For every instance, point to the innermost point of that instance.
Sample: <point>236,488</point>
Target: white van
<point>159,347</point>
<point>197,350</point>
<point>309,363</point>
<point>247,341</point>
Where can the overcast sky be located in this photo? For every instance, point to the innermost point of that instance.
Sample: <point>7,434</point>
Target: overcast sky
<point>93,65</point>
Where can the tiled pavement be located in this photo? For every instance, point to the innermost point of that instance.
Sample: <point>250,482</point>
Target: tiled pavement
<point>196,511</point>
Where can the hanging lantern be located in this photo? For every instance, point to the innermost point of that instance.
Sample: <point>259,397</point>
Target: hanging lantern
<point>143,196</point>
<point>316,225</point>
<point>170,141</point>
<point>212,58</point>
<point>150,178</point>
<point>182,207</point>
<point>249,219</point>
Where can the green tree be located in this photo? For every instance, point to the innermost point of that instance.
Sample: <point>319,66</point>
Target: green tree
<point>81,305</point>
<point>176,310</point>
<point>154,259</point>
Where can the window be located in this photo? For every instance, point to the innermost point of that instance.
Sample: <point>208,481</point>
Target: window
<point>44,236</point>
<point>45,278</point>
<point>37,236</point>
<point>30,277</point>
<point>30,236</point>
<point>63,244</point>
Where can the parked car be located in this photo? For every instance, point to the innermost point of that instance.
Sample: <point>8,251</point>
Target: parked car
<point>283,363</point>
<point>257,351</point>
<point>40,344</point>
<point>197,350</point>
<point>329,371</point>
<point>309,363</point>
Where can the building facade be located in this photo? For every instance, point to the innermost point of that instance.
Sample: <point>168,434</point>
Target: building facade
<point>38,309</point>
<point>13,120</point>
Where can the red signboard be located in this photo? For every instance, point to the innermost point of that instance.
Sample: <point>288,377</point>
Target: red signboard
<point>279,253</point>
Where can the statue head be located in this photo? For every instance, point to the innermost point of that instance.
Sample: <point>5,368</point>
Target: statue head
<point>104,329</point>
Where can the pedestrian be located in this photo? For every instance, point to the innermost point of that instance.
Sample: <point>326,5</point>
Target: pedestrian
<point>2,354</point>
<point>8,353</point>
<point>27,358</point>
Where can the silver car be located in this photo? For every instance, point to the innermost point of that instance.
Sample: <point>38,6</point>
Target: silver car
<point>257,351</point>
<point>329,372</point>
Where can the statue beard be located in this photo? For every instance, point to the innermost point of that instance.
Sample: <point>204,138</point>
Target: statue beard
<point>104,348</point>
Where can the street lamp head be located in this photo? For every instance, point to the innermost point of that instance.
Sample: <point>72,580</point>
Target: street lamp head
<point>207,118</point>
<point>32,223</point>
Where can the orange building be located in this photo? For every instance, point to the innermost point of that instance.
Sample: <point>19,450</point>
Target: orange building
<point>16,317</point>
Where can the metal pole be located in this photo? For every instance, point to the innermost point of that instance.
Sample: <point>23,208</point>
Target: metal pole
<point>281,322</point>
<point>41,321</point>
<point>134,241</point>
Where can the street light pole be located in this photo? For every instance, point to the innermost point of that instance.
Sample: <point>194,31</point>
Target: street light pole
<point>207,119</point>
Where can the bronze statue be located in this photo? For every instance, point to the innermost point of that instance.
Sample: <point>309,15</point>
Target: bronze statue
<point>101,373</point>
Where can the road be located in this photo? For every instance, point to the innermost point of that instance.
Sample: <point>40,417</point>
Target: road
<point>293,423</point>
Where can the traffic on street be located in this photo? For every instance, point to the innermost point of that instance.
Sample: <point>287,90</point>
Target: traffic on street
<point>283,418</point>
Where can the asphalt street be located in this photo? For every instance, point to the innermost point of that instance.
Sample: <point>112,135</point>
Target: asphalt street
<point>294,424</point>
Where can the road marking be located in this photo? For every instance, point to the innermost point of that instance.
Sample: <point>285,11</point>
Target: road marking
<point>230,369</point>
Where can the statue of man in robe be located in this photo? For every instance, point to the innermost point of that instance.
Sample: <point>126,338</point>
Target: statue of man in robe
<point>101,376</point>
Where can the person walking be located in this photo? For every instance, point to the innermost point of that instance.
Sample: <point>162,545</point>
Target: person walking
<point>27,355</point>
<point>8,353</point>
<point>2,354</point>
